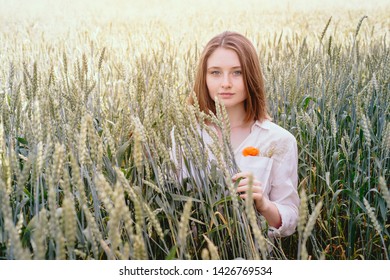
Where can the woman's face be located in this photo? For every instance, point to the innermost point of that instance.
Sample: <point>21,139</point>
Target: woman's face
<point>224,78</point>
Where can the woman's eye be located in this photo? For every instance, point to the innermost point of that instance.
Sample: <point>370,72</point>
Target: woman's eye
<point>215,73</point>
<point>237,73</point>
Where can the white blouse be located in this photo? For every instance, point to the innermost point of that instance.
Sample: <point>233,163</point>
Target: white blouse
<point>276,167</point>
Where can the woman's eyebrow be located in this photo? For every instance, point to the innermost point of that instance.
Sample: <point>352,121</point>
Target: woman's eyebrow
<point>218,67</point>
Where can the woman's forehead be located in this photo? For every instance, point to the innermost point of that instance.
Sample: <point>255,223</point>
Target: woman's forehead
<point>223,57</point>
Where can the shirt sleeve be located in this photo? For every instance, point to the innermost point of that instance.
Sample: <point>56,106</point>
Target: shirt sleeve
<point>284,192</point>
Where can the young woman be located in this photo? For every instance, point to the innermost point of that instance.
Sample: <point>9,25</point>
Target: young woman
<point>229,70</point>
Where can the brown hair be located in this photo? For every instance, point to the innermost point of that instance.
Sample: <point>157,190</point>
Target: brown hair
<point>255,104</point>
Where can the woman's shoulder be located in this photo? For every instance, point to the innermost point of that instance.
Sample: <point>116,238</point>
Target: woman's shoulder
<point>276,131</point>
<point>278,141</point>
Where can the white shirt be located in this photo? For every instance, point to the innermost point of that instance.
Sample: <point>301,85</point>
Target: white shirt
<point>276,168</point>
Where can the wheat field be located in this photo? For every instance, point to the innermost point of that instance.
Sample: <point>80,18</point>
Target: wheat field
<point>90,92</point>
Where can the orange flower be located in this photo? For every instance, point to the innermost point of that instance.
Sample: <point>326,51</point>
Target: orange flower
<point>250,151</point>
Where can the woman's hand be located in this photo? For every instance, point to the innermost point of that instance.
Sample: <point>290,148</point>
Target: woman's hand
<point>266,208</point>
<point>257,190</point>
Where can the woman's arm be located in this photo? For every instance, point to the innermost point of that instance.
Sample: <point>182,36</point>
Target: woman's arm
<point>265,207</point>
<point>280,206</point>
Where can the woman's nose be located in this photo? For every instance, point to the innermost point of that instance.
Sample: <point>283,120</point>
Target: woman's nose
<point>226,83</point>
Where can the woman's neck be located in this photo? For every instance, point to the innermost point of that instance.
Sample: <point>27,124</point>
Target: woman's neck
<point>236,117</point>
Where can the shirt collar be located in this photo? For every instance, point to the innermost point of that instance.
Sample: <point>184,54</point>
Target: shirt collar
<point>266,124</point>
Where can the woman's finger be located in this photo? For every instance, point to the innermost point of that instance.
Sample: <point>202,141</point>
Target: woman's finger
<point>243,174</point>
<point>255,196</point>
<point>245,181</point>
<point>245,188</point>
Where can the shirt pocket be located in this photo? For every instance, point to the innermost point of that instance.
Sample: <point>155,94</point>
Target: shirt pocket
<point>260,167</point>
